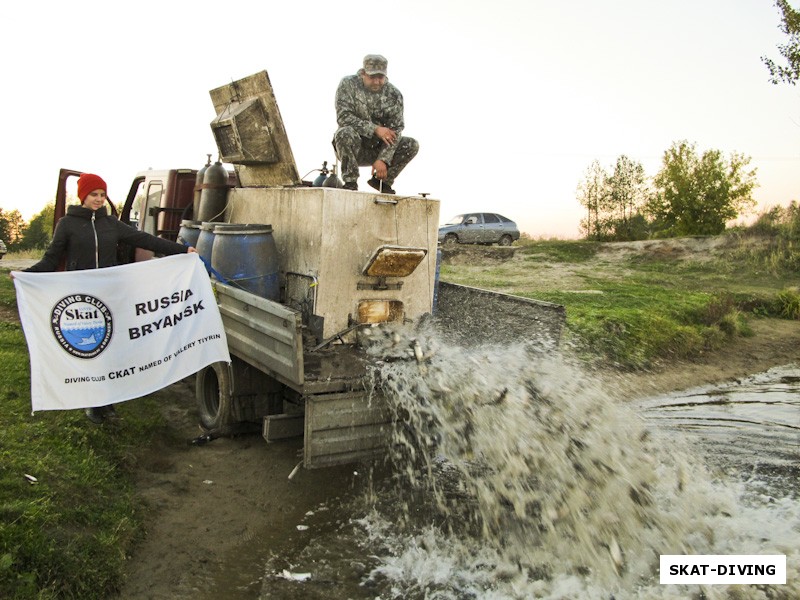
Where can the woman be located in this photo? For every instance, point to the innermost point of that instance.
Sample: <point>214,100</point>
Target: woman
<point>87,238</point>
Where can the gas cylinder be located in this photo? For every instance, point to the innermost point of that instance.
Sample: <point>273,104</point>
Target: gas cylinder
<point>323,174</point>
<point>332,180</point>
<point>214,194</point>
<point>198,182</point>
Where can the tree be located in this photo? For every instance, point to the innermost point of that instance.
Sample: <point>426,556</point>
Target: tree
<point>614,202</point>
<point>12,228</point>
<point>699,195</point>
<point>790,25</point>
<point>628,194</point>
<point>40,230</point>
<point>593,195</point>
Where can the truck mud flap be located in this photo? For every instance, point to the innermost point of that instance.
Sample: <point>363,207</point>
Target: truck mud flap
<point>470,316</point>
<point>265,334</point>
<point>345,427</point>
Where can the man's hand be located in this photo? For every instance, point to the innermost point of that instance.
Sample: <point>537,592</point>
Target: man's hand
<point>386,135</point>
<point>380,169</point>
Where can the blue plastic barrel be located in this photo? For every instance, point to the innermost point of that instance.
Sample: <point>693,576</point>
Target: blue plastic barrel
<point>189,232</point>
<point>205,241</point>
<point>246,256</point>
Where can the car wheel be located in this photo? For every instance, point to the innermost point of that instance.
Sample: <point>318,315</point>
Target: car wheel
<point>451,239</point>
<point>213,394</point>
<point>505,240</point>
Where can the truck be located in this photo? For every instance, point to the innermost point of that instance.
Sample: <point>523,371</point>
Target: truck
<point>347,262</point>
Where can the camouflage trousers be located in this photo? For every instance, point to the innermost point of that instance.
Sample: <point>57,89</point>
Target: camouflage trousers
<point>355,151</point>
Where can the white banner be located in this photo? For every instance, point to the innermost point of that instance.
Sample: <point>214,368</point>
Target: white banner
<point>102,336</point>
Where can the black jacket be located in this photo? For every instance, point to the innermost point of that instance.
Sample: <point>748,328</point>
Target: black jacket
<point>89,238</point>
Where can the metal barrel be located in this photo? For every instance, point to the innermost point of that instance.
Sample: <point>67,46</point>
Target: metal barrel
<point>189,232</point>
<point>246,256</point>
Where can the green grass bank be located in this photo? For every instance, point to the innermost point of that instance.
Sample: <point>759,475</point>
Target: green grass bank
<point>634,304</point>
<point>68,515</point>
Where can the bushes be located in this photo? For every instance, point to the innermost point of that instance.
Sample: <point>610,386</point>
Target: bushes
<point>788,304</point>
<point>780,228</point>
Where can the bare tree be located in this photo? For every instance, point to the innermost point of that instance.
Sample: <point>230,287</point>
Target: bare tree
<point>628,192</point>
<point>593,195</point>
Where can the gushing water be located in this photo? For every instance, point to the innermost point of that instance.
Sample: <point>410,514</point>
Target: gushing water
<point>519,477</point>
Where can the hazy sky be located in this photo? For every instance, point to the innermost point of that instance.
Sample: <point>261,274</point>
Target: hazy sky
<point>510,100</point>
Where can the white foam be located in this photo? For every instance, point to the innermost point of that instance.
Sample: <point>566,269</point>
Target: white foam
<point>535,483</point>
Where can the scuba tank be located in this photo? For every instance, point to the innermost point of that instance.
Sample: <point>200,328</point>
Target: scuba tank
<point>323,175</point>
<point>332,180</point>
<point>198,182</point>
<point>214,194</point>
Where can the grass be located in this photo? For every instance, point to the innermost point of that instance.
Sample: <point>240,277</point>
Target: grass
<point>649,305</point>
<point>65,534</point>
<point>577,251</point>
<point>24,254</point>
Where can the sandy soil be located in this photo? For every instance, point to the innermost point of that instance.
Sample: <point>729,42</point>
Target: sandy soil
<point>211,505</point>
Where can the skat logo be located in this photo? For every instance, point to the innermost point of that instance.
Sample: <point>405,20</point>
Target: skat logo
<point>82,324</point>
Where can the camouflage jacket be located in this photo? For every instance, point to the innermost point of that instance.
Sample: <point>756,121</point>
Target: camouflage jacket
<point>363,110</point>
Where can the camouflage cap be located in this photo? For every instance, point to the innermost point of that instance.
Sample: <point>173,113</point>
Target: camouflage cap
<point>375,64</point>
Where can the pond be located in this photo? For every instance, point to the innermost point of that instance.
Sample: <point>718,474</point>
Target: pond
<point>749,429</point>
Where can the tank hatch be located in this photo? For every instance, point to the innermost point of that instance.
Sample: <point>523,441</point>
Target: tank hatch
<point>394,261</point>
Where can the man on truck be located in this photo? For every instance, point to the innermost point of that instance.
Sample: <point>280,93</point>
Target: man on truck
<point>369,112</point>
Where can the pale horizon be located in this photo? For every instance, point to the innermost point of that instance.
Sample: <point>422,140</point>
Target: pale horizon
<point>511,101</point>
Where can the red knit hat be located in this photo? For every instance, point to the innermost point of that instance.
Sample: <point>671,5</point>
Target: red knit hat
<point>87,183</point>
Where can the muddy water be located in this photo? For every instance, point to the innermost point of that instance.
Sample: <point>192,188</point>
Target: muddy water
<point>516,477</point>
<point>749,430</point>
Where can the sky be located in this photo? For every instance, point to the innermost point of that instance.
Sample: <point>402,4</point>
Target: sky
<point>510,100</point>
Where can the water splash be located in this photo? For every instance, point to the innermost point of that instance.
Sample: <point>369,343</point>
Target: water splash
<point>519,477</point>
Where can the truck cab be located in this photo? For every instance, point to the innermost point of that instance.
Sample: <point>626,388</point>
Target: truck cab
<point>158,201</point>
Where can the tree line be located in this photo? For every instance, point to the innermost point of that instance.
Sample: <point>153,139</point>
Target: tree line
<point>692,194</point>
<point>19,235</point>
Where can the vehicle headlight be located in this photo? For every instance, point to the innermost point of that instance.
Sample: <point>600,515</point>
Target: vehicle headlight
<point>380,311</point>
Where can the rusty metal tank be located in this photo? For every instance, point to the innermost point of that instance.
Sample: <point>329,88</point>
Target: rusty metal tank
<point>214,194</point>
<point>198,187</point>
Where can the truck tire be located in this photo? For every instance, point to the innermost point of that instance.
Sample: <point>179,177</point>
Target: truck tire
<point>214,397</point>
